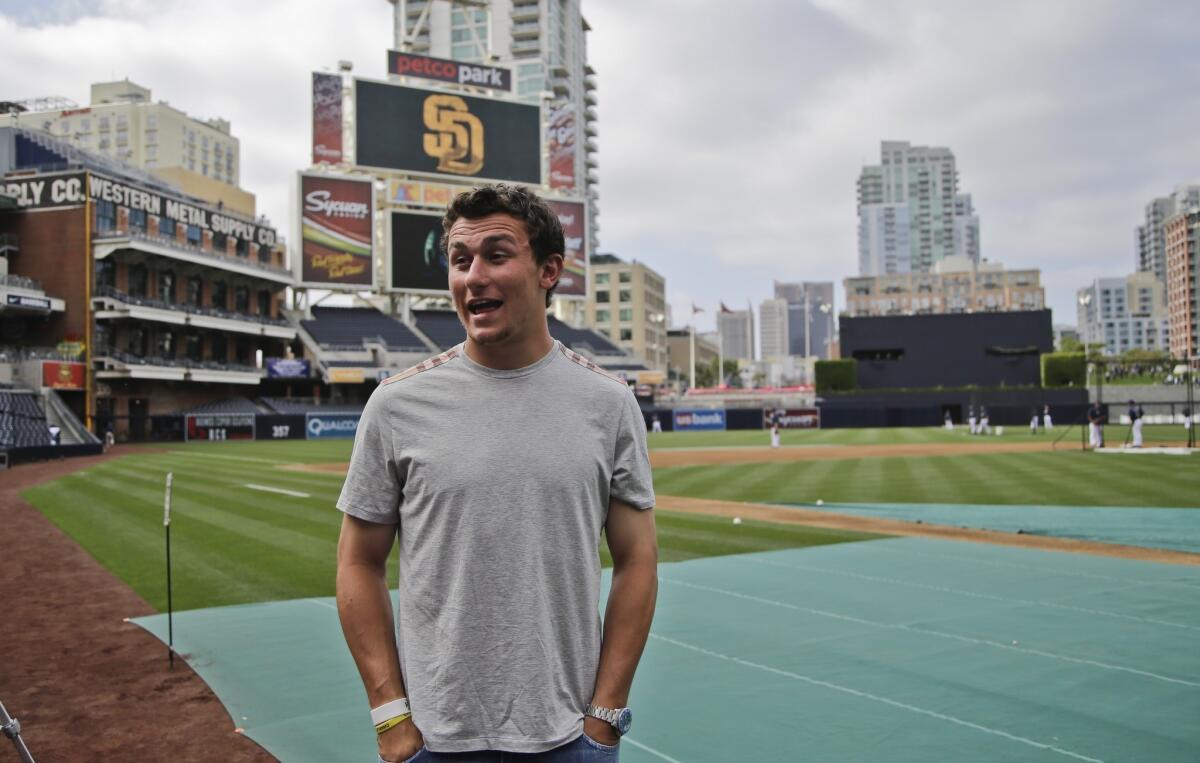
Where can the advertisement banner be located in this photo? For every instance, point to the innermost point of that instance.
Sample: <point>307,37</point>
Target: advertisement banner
<point>288,368</point>
<point>24,300</point>
<point>421,193</point>
<point>325,426</point>
<point>560,144</point>
<point>336,221</point>
<point>417,259</point>
<point>60,375</point>
<point>219,426</point>
<point>571,214</point>
<point>793,418</point>
<point>71,189</point>
<point>282,427</point>
<point>327,118</point>
<point>346,376</point>
<point>704,418</point>
<point>414,130</point>
<point>444,70</point>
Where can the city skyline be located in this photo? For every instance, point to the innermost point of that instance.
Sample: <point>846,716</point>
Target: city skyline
<point>763,118</point>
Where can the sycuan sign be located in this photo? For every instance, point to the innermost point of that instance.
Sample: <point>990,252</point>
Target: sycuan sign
<point>50,191</point>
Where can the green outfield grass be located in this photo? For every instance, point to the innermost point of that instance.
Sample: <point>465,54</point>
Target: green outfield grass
<point>232,544</point>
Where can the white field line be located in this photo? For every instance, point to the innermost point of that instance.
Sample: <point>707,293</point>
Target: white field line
<point>975,595</point>
<point>874,698</point>
<point>268,489</point>
<point>929,632</point>
<point>190,454</point>
<point>651,750</point>
<point>1013,565</point>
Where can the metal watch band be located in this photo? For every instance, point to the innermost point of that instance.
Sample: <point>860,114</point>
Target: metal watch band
<point>605,714</point>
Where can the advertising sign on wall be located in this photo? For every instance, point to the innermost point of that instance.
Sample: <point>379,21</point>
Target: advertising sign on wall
<point>444,70</point>
<point>346,376</point>
<point>324,426</point>
<point>404,128</point>
<point>705,418</point>
<point>288,368</point>
<point>327,118</point>
<point>423,193</point>
<point>417,260</point>
<point>60,375</point>
<point>219,426</point>
<point>794,418</point>
<point>70,189</point>
<point>560,143</point>
<point>336,220</point>
<point>572,217</point>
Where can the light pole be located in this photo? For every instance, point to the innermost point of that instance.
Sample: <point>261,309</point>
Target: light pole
<point>827,309</point>
<point>1085,300</point>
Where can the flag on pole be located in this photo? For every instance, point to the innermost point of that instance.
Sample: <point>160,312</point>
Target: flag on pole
<point>696,309</point>
<point>725,309</point>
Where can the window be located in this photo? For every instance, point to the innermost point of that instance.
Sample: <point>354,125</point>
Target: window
<point>166,227</point>
<point>151,121</point>
<point>219,242</point>
<point>264,302</point>
<point>166,286</point>
<point>137,342</point>
<point>106,216</point>
<point>193,234</point>
<point>137,220</point>
<point>626,314</point>
<point>106,273</point>
<point>241,300</point>
<point>242,247</point>
<point>166,345</point>
<point>194,348</point>
<point>625,276</point>
<point>219,296</point>
<point>220,349</point>
<point>264,254</point>
<point>626,335</point>
<point>602,296</point>
<point>194,289</point>
<point>601,278</point>
<point>137,280</point>
<point>103,123</point>
<point>603,316</point>
<point>625,295</point>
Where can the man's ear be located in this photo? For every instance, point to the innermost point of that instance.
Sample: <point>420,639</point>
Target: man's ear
<point>552,270</point>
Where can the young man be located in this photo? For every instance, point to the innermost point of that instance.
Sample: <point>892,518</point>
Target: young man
<point>1095,417</point>
<point>497,464</point>
<point>1135,420</point>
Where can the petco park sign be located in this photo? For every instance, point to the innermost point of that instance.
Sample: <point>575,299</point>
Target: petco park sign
<point>442,70</point>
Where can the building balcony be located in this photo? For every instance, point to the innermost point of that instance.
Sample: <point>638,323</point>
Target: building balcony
<point>109,303</point>
<point>589,82</point>
<point>590,113</point>
<point>526,29</point>
<point>114,364</point>
<point>525,11</point>
<point>19,294</point>
<point>590,129</point>
<point>591,146</point>
<point>416,8</point>
<point>523,47</point>
<point>590,98</point>
<point>108,243</point>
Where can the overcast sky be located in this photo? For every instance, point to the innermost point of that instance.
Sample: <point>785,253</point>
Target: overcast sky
<point>731,134</point>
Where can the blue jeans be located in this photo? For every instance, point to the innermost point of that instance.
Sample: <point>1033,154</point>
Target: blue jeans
<point>582,750</point>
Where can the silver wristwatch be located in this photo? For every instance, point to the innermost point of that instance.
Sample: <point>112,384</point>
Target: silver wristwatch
<point>620,718</point>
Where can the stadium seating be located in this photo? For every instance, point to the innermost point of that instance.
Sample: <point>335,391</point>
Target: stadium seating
<point>444,329</point>
<point>351,327</point>
<point>584,340</point>
<point>441,326</point>
<point>299,405</point>
<point>229,405</point>
<point>22,421</point>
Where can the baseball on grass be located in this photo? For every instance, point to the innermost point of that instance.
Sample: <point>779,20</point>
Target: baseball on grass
<point>820,502</point>
<point>737,520</point>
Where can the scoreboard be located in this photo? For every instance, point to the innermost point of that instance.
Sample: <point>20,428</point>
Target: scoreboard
<point>219,426</point>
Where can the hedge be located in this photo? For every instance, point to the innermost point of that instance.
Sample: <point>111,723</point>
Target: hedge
<point>1064,369</point>
<point>834,375</point>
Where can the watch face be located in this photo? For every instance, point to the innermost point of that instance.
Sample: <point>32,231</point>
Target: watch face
<point>624,721</point>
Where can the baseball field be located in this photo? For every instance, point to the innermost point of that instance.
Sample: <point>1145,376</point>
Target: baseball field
<point>253,522</point>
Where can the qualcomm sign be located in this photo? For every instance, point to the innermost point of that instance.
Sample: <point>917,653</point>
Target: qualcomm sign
<point>323,426</point>
<point>700,419</point>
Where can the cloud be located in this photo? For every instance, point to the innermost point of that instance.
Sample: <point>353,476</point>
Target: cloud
<point>731,135</point>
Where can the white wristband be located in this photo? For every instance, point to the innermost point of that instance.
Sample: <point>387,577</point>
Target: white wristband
<point>389,710</point>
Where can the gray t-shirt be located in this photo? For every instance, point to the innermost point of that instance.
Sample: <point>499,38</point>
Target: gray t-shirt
<point>500,483</point>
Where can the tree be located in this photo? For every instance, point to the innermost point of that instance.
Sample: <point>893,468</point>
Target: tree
<point>1070,345</point>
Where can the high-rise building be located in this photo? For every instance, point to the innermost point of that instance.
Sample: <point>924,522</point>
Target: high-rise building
<point>956,285</point>
<point>1151,241</point>
<point>544,42</point>
<point>773,329</point>
<point>627,302</point>
<point>1181,233</point>
<point>200,157</point>
<point>811,317</point>
<point>736,330</point>
<point>918,184</point>
<point>1123,313</point>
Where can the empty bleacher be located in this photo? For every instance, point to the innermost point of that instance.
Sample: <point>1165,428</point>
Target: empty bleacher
<point>584,340</point>
<point>445,330</point>
<point>297,405</point>
<point>341,328</point>
<point>22,421</point>
<point>441,326</point>
<point>229,405</point>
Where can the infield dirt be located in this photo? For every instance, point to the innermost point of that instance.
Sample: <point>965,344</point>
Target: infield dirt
<point>85,684</point>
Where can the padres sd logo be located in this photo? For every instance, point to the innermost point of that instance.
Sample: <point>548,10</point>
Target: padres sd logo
<point>456,140</point>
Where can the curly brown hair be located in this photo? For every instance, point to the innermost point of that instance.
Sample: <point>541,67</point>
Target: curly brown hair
<point>541,224</point>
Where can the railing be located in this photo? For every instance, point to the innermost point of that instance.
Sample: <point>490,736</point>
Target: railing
<point>213,312</point>
<point>172,243</point>
<point>37,353</point>
<point>20,282</point>
<point>186,363</point>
